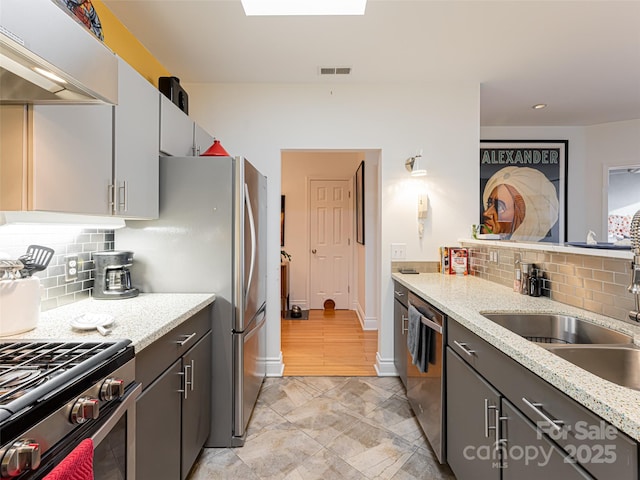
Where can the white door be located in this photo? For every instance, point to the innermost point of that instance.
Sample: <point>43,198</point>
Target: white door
<point>330,243</point>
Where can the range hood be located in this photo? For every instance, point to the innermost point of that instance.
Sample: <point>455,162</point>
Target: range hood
<point>44,34</point>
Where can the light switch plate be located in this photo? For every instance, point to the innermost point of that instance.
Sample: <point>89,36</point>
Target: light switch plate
<point>398,251</point>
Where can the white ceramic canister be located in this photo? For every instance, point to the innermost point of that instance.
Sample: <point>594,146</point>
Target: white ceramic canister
<point>19,305</point>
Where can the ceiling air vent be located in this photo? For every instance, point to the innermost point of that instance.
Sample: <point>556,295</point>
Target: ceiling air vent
<point>335,70</point>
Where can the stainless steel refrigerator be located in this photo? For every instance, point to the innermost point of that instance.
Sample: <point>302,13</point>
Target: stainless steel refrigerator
<point>211,237</point>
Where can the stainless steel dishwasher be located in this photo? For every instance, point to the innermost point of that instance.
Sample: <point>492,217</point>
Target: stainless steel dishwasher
<point>425,391</point>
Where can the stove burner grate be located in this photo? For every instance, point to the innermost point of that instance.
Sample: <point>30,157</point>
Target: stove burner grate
<point>27,366</point>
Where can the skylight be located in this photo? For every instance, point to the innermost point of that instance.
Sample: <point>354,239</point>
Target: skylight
<point>304,7</point>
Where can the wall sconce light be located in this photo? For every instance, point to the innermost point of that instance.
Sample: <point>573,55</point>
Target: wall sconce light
<point>415,165</point>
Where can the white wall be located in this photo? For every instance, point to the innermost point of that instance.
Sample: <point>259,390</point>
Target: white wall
<point>260,120</point>
<point>592,150</point>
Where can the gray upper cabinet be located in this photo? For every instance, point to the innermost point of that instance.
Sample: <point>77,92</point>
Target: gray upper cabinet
<point>180,136</point>
<point>87,159</point>
<point>176,130</point>
<point>135,159</point>
<point>201,139</point>
<point>71,164</point>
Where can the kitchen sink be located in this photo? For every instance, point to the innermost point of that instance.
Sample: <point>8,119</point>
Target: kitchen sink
<point>557,329</point>
<point>617,364</point>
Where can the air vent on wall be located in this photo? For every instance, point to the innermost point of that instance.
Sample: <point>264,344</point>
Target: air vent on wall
<point>335,70</point>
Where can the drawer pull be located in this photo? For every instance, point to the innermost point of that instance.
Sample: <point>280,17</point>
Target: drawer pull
<point>536,407</point>
<point>463,347</point>
<point>400,294</point>
<point>185,339</point>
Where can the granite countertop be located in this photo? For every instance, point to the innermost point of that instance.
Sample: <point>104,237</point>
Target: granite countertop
<point>463,297</point>
<point>142,319</point>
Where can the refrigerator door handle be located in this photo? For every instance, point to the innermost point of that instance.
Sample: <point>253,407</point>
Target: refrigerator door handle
<point>253,241</point>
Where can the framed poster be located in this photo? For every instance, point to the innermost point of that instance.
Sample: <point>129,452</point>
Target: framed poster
<point>523,189</point>
<point>359,195</point>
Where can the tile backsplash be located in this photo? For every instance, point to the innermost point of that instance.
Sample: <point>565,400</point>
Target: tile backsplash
<point>56,291</point>
<point>596,284</point>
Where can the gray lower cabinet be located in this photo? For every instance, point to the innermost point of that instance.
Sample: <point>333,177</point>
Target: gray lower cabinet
<point>400,323</point>
<point>472,408</point>
<point>173,411</point>
<point>158,430</point>
<point>488,438</point>
<point>196,402</point>
<point>529,455</point>
<point>540,431</point>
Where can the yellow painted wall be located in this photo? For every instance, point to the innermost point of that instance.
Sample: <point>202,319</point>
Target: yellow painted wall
<point>119,39</point>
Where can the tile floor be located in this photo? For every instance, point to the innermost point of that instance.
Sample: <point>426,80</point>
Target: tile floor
<point>328,428</point>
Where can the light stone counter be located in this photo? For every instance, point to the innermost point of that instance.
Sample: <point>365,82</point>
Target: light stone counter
<point>142,319</point>
<point>463,297</point>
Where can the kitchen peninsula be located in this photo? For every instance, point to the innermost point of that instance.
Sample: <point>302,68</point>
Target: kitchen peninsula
<point>463,298</point>
<point>522,371</point>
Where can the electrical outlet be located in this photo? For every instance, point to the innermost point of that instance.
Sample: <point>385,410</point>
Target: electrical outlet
<point>71,267</point>
<point>493,256</point>
<point>398,251</point>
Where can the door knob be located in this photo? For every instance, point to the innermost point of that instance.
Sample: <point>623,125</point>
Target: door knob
<point>313,251</point>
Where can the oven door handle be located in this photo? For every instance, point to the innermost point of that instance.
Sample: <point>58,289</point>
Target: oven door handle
<point>117,414</point>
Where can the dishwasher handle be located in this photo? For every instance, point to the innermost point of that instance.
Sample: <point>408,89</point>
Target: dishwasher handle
<point>431,324</point>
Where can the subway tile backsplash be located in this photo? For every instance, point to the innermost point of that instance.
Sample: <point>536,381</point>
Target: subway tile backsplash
<point>56,291</point>
<point>596,284</point>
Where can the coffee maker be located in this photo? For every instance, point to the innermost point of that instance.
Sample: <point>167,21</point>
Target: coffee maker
<point>113,277</point>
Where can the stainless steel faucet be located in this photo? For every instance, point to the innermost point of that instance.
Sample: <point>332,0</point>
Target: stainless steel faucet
<point>635,265</point>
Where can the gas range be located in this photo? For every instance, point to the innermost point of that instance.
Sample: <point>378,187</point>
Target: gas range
<point>52,392</point>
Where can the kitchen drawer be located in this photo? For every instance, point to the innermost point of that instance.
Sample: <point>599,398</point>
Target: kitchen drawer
<point>400,293</point>
<point>158,356</point>
<point>584,433</point>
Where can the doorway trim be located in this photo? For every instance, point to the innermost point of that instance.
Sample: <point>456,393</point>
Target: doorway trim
<point>369,286</point>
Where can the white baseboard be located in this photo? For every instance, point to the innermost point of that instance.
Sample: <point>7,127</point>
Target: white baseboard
<point>275,366</point>
<point>385,367</point>
<point>303,304</point>
<point>367,323</point>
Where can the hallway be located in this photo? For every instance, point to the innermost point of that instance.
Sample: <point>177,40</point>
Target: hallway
<point>329,343</point>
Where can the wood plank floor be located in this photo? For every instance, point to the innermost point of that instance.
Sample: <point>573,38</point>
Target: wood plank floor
<point>329,343</point>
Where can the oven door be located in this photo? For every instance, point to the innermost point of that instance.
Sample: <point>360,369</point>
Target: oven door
<point>113,435</point>
<point>114,441</point>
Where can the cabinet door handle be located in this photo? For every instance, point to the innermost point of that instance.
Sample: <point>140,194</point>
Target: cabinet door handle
<point>488,427</point>
<point>501,443</point>
<point>122,197</point>
<point>111,201</point>
<point>537,407</point>
<point>186,339</point>
<point>188,384</point>
<point>463,347</point>
<point>193,374</point>
<point>405,327</point>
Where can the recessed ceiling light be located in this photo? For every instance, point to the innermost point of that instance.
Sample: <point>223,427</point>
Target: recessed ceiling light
<point>304,7</point>
<point>539,106</point>
<point>49,75</point>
